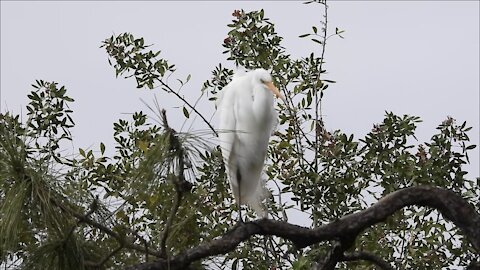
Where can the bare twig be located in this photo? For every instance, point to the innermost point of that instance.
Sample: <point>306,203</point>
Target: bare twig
<point>189,105</point>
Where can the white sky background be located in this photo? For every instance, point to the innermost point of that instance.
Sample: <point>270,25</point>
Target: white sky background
<point>419,58</point>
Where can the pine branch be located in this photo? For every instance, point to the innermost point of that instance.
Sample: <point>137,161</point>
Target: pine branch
<point>180,184</point>
<point>82,218</point>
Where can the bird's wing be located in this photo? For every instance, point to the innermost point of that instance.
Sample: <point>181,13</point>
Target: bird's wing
<point>219,97</point>
<point>228,136</point>
<point>227,125</point>
<point>275,123</point>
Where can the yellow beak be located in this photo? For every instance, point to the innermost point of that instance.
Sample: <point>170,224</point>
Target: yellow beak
<point>274,90</point>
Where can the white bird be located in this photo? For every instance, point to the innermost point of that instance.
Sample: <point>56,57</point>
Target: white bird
<point>247,117</point>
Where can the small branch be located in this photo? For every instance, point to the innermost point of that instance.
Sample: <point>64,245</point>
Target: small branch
<point>451,205</point>
<point>93,207</point>
<point>85,219</point>
<point>172,215</point>
<point>180,184</point>
<point>105,259</point>
<point>189,105</point>
<point>145,244</point>
<point>290,106</point>
<point>110,255</point>
<point>366,256</point>
<point>318,102</point>
<point>336,254</point>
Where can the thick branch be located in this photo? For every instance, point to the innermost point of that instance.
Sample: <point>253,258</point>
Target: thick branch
<point>451,205</point>
<point>474,266</point>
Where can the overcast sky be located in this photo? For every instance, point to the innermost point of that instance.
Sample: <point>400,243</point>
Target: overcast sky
<point>419,58</point>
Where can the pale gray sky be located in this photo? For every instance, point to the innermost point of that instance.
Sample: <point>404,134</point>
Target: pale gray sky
<point>419,58</point>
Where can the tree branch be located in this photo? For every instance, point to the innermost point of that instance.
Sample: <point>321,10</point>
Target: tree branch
<point>85,219</point>
<point>336,254</point>
<point>105,259</point>
<point>169,89</point>
<point>366,256</point>
<point>180,184</point>
<point>318,101</point>
<point>474,265</point>
<point>451,205</point>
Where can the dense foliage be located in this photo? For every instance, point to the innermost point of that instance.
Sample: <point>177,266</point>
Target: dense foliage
<point>164,191</point>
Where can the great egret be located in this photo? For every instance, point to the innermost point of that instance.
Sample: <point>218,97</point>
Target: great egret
<point>247,117</point>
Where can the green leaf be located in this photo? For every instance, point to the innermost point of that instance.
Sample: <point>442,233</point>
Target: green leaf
<point>470,147</point>
<point>102,148</point>
<point>314,29</point>
<point>82,152</point>
<point>309,98</point>
<point>185,112</point>
<point>304,35</point>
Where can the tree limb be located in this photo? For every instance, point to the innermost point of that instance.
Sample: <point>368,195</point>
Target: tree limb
<point>336,254</point>
<point>473,266</point>
<point>367,256</point>
<point>451,205</point>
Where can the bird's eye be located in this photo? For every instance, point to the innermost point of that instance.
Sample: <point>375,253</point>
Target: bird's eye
<point>262,81</point>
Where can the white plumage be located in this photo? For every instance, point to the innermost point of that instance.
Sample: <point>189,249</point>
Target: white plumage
<point>247,117</point>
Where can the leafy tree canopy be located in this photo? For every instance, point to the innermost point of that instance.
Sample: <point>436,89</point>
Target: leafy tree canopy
<point>162,201</point>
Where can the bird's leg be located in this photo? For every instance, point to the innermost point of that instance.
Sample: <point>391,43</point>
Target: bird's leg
<point>239,201</point>
<point>240,219</point>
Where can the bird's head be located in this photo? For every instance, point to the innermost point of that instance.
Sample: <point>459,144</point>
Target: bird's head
<point>264,77</point>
